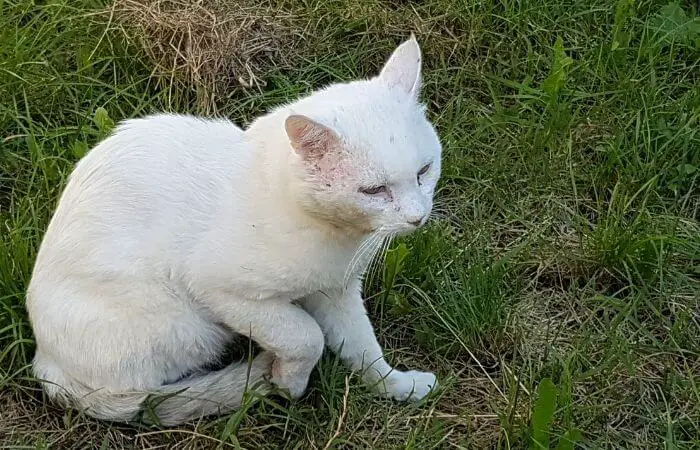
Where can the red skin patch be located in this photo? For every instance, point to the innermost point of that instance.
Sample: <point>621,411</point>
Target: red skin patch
<point>331,167</point>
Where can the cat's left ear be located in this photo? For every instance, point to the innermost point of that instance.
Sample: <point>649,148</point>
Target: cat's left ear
<point>403,68</point>
<point>310,139</point>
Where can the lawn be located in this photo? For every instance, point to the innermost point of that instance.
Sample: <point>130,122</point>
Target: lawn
<point>556,292</point>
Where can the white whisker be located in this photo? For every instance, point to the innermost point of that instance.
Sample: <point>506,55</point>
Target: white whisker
<point>368,243</point>
<point>379,259</point>
<point>368,253</point>
<point>438,215</point>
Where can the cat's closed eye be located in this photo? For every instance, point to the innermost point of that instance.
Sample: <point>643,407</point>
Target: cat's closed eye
<point>423,171</point>
<point>374,190</point>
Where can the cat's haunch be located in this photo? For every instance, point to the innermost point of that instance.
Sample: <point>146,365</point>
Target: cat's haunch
<point>176,233</point>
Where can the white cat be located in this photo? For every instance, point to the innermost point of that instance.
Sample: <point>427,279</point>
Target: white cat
<point>176,234</point>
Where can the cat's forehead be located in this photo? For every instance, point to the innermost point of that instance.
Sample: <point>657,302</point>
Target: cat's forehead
<point>381,127</point>
<point>395,141</point>
<point>395,134</point>
<point>347,103</point>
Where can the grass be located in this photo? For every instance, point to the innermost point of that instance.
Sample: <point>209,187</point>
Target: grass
<point>557,289</point>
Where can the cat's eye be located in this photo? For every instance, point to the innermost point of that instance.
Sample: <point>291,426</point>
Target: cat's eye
<point>374,190</point>
<point>424,170</point>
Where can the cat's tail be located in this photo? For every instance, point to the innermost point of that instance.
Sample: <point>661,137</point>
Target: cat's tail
<point>191,398</point>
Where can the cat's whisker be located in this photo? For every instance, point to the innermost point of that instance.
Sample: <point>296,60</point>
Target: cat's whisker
<point>447,207</point>
<point>369,252</point>
<point>438,216</point>
<point>379,248</point>
<point>355,255</point>
<point>380,258</point>
<point>368,243</point>
<point>442,208</point>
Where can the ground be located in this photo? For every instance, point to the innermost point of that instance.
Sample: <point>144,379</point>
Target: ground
<point>556,291</point>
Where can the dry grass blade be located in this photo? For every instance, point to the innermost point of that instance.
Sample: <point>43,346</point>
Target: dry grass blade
<point>206,45</point>
<point>343,412</point>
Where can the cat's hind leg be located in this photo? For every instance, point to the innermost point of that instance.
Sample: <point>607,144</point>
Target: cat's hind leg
<point>106,347</point>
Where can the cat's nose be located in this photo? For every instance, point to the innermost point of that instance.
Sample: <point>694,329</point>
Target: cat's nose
<point>416,222</point>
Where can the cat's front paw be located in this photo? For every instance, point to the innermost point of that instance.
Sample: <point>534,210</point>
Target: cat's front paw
<point>412,385</point>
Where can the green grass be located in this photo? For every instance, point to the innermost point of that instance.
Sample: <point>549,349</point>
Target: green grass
<point>566,245</point>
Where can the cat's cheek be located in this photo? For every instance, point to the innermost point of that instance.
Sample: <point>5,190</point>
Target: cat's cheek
<point>367,217</point>
<point>428,188</point>
<point>364,224</point>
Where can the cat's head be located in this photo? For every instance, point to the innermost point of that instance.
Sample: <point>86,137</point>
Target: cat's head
<point>368,157</point>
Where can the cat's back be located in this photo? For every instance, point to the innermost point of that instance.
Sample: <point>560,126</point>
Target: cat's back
<point>169,149</point>
<point>153,180</point>
<point>159,163</point>
<point>158,144</point>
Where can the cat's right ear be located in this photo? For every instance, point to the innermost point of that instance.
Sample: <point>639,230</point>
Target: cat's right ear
<point>310,139</point>
<point>403,68</point>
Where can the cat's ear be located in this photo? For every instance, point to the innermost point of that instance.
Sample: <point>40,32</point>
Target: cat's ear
<point>403,67</point>
<point>309,138</point>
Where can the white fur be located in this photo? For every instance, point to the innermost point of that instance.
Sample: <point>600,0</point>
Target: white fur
<point>176,233</point>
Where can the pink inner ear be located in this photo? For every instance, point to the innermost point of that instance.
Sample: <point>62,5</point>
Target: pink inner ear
<point>319,146</point>
<point>309,138</point>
